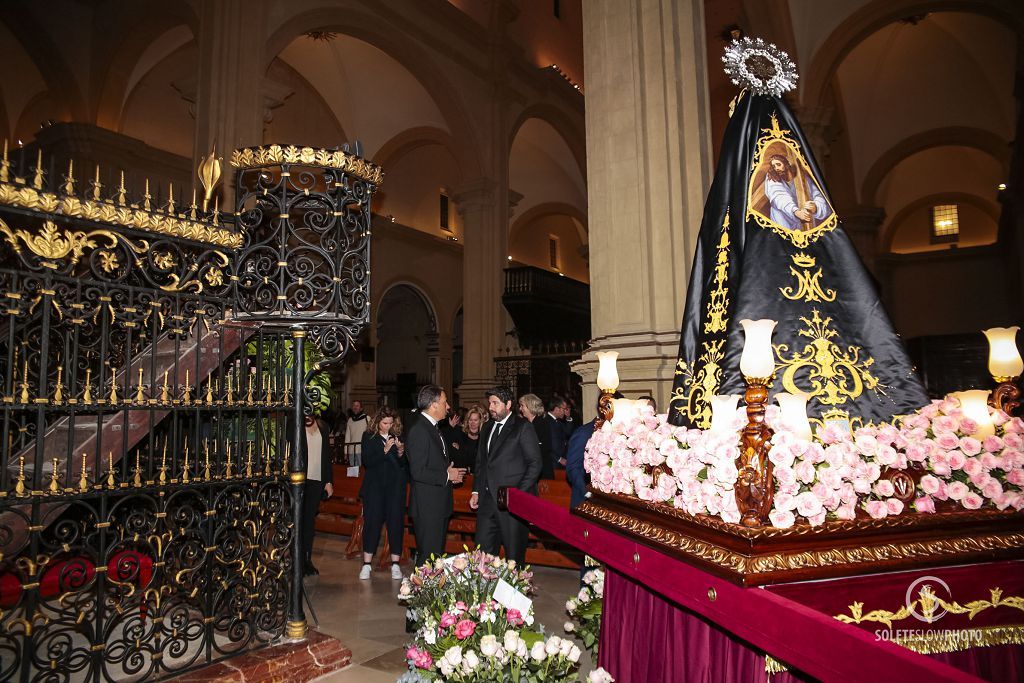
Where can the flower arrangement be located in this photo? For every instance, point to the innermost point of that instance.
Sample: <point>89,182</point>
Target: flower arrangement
<point>464,634</point>
<point>585,610</point>
<point>838,475</point>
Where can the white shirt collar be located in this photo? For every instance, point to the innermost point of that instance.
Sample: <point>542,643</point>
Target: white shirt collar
<point>501,423</point>
<point>427,415</point>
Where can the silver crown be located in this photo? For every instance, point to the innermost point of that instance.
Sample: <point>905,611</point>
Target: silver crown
<point>760,67</point>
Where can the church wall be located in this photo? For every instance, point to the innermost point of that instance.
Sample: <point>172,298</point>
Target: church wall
<point>945,292</point>
<point>412,188</point>
<point>913,232</point>
<point>155,112</point>
<point>304,118</point>
<point>530,244</point>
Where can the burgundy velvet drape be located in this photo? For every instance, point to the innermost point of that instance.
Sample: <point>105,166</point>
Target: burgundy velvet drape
<point>648,639</point>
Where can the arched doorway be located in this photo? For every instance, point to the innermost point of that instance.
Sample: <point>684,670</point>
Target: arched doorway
<point>407,349</point>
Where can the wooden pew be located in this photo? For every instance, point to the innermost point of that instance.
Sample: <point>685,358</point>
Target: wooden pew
<point>342,514</point>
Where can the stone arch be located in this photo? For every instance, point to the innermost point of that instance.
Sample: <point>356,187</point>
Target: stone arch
<point>961,136</point>
<point>39,46</point>
<point>390,39</point>
<point>420,289</point>
<point>551,208</point>
<point>815,84</point>
<point>414,138</point>
<point>150,27</point>
<point>407,343</point>
<point>889,230</point>
<point>571,132</point>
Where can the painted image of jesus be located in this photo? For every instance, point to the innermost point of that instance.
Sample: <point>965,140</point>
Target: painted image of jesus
<point>794,200</point>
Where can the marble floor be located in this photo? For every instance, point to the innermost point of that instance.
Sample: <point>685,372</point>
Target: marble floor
<point>368,619</point>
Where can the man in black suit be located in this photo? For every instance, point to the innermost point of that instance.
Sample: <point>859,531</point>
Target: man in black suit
<point>432,474</point>
<point>508,455</point>
<point>560,429</point>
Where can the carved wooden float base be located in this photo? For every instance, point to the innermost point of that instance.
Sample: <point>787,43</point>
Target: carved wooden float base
<point>755,557</point>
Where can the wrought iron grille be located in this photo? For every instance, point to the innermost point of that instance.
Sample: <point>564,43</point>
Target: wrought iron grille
<point>151,395</point>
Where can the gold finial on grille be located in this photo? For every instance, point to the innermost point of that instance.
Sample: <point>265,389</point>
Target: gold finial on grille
<point>209,175</point>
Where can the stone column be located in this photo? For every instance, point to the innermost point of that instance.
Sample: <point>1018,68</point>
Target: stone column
<point>483,205</point>
<point>649,164</point>
<point>229,93</point>
<point>817,124</point>
<point>862,224</point>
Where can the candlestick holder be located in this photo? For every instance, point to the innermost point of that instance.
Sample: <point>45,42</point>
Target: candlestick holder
<point>54,488</point>
<point>185,479</point>
<point>140,391</point>
<point>111,479</point>
<point>83,481</point>
<point>165,390</point>
<point>20,490</point>
<point>87,390</point>
<point>113,399</point>
<point>186,396</point>
<point>24,398</point>
<point>58,389</point>
<point>1006,395</point>
<point>605,408</point>
<point>754,486</point>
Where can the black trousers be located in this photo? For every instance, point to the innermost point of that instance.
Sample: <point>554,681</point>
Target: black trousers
<point>431,533</point>
<point>311,494</point>
<point>496,528</point>
<point>380,510</point>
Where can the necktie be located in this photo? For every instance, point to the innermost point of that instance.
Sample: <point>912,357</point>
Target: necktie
<point>494,435</point>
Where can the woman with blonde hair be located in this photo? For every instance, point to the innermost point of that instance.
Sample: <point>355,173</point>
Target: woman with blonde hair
<point>532,408</point>
<point>467,440</point>
<point>384,488</point>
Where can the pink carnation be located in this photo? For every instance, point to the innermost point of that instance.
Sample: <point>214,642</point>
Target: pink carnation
<point>420,658</point>
<point>447,620</point>
<point>514,617</point>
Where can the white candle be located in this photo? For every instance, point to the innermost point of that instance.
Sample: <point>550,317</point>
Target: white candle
<point>626,409</point>
<point>607,373</point>
<point>794,414</point>
<point>758,359</point>
<point>974,403</point>
<point>1003,357</point>
<point>723,412</point>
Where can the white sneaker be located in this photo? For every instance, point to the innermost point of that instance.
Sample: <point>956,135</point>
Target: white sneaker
<point>364,573</point>
<point>396,572</point>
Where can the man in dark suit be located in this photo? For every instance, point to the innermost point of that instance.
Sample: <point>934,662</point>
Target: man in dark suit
<point>575,475</point>
<point>508,455</point>
<point>560,429</point>
<point>432,474</point>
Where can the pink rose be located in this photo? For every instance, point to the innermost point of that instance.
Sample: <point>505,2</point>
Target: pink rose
<point>956,460</point>
<point>464,629</point>
<point>989,461</point>
<point>916,453</point>
<point>894,506</point>
<point>818,519</point>
<point>886,455</point>
<point>948,405</point>
<point>785,502</point>
<point>972,501</point>
<point>1014,441</point>
<point>957,490</point>
<point>447,620</point>
<point>930,484</point>
<point>884,488</point>
<point>876,508</point>
<point>784,475</point>
<point>931,410</point>
<point>992,489</point>
<point>968,426</point>
<point>972,466</point>
<point>867,445</point>
<point>847,511</point>
<point>947,441</point>
<point>1015,477</point>
<point>944,425</point>
<point>993,444</point>
<point>941,468</point>
<point>808,504</point>
<point>804,471</point>
<point>924,504</point>
<point>782,519</point>
<point>514,617</point>
<point>970,446</point>
<point>420,658</point>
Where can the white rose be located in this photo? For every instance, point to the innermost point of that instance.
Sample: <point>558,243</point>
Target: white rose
<point>574,654</point>
<point>528,619</point>
<point>565,647</point>
<point>552,646</point>
<point>537,651</point>
<point>430,636</point>
<point>446,668</point>
<point>453,655</point>
<point>511,640</point>
<point>599,675</point>
<point>584,596</point>
<point>470,661</point>
<point>568,627</point>
<point>405,590</point>
<point>521,651</point>
<point>570,605</point>
<point>489,645</point>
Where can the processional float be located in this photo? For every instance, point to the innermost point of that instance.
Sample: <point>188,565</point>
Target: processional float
<point>742,541</point>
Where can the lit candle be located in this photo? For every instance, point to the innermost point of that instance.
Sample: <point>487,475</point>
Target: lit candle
<point>974,403</point>
<point>1004,359</point>
<point>607,374</point>
<point>723,412</point>
<point>794,414</point>
<point>757,360</point>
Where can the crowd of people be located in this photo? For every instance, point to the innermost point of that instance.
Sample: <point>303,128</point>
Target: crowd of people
<point>509,442</point>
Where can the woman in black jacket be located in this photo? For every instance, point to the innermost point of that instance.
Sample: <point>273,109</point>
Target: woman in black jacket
<point>384,488</point>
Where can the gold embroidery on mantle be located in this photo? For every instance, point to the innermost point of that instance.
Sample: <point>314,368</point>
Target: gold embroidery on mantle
<point>834,376</point>
<point>718,304</point>
<point>808,286</point>
<point>702,384</point>
<point>778,141</point>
